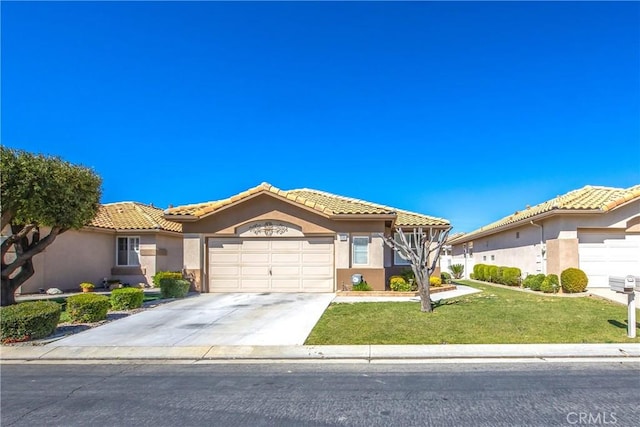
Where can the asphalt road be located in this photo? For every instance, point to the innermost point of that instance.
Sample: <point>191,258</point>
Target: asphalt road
<point>544,394</point>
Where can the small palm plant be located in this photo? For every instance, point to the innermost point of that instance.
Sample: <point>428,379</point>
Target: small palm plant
<point>457,270</point>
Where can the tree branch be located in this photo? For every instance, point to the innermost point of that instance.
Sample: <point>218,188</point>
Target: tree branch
<point>24,250</point>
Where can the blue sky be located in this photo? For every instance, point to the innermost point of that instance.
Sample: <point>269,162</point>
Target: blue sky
<point>462,110</point>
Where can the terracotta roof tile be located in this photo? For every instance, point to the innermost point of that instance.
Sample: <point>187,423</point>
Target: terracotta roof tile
<point>133,216</point>
<point>590,198</point>
<point>326,203</point>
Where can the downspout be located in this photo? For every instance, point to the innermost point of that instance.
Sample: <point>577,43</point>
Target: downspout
<point>543,264</point>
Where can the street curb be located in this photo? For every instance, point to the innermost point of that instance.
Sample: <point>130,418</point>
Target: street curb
<point>363,353</point>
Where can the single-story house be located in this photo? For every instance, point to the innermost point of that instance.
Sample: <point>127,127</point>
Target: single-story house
<point>270,240</point>
<point>129,241</point>
<point>596,229</point>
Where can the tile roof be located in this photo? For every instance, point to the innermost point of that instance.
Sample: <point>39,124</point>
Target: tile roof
<point>133,216</point>
<point>588,198</point>
<point>323,202</point>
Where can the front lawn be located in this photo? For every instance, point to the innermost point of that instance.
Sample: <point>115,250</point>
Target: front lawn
<point>493,316</point>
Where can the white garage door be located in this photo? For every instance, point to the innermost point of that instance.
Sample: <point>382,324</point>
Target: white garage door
<point>603,255</point>
<point>271,265</point>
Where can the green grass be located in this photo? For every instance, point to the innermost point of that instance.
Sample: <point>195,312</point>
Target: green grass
<point>494,316</point>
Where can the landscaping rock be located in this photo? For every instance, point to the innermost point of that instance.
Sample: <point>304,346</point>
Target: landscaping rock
<point>54,291</point>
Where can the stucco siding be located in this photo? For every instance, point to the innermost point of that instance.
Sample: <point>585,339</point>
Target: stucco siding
<point>73,257</point>
<point>169,253</point>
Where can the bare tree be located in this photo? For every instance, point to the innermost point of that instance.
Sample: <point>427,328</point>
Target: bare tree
<point>423,256</point>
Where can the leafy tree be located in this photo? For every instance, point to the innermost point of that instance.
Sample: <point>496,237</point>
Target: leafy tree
<point>41,197</point>
<point>423,256</point>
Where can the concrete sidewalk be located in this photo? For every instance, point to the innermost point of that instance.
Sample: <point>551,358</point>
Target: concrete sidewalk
<point>449,353</point>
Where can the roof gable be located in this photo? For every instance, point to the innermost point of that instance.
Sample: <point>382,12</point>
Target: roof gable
<point>326,204</point>
<point>593,199</point>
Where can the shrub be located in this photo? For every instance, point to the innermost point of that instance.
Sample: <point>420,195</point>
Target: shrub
<point>398,284</point>
<point>486,272</point>
<point>446,277</point>
<point>28,320</point>
<point>87,307</point>
<point>499,275</point>
<point>363,286</point>
<point>165,275</point>
<point>478,271</point>
<point>550,284</point>
<point>511,276</point>
<point>492,273</point>
<point>535,281</point>
<point>457,270</point>
<point>435,281</point>
<point>174,288</point>
<point>573,280</point>
<point>127,298</point>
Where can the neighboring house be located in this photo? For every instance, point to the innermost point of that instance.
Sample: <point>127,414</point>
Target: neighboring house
<point>270,240</point>
<point>446,256</point>
<point>596,229</point>
<point>128,241</point>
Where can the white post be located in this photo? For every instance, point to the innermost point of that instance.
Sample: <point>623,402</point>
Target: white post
<point>631,315</point>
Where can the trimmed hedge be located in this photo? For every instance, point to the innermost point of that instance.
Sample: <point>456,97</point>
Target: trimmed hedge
<point>28,321</point>
<point>550,284</point>
<point>127,298</point>
<point>399,284</point>
<point>511,276</point>
<point>534,281</point>
<point>87,308</point>
<point>573,280</point>
<point>174,288</point>
<point>165,275</point>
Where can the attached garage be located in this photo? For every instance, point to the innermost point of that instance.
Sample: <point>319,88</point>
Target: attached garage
<point>300,264</point>
<point>604,254</point>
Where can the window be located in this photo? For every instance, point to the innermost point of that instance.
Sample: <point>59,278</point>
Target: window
<point>493,257</point>
<point>397,258</point>
<point>484,257</point>
<point>360,250</point>
<point>517,234</point>
<point>128,252</point>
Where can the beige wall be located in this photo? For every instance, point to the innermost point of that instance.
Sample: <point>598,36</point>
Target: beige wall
<point>562,254</point>
<point>73,257</point>
<point>90,256</point>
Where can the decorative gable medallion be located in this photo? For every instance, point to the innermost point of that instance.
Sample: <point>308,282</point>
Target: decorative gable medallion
<point>268,228</point>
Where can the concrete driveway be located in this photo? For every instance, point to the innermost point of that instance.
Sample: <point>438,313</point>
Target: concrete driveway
<point>213,319</point>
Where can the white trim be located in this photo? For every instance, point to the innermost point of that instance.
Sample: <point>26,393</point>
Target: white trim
<point>353,249</point>
<point>137,250</point>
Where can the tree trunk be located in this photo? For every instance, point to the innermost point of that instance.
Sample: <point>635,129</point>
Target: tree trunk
<point>9,286</point>
<point>423,289</point>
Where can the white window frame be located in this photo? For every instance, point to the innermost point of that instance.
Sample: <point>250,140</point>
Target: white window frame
<point>130,239</point>
<point>397,258</point>
<point>353,249</point>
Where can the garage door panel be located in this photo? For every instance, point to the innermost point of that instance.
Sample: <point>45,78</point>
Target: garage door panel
<point>285,245</point>
<point>255,245</point>
<point>271,265</point>
<point>254,258</point>
<point>226,271</point>
<point>283,258</point>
